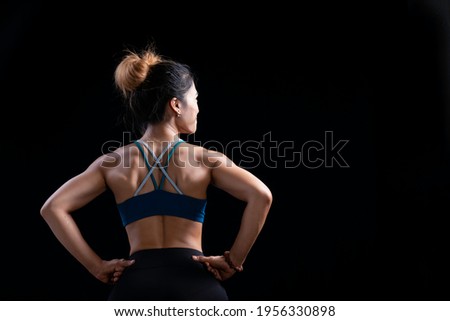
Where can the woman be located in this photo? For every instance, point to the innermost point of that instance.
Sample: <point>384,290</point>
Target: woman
<point>159,183</point>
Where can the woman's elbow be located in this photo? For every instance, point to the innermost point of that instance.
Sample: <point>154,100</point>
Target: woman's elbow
<point>48,209</point>
<point>265,197</point>
<point>45,210</point>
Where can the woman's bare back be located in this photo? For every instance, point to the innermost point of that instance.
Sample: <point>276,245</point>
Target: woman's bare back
<point>125,169</point>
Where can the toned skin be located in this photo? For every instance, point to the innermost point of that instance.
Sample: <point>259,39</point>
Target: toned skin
<point>191,167</point>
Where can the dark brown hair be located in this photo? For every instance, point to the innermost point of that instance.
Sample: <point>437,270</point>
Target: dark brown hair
<point>147,82</point>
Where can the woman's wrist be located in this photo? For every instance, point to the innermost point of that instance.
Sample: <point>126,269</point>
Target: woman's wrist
<point>237,268</point>
<point>95,268</point>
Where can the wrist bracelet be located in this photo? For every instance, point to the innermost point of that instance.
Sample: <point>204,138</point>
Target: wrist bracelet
<point>226,255</point>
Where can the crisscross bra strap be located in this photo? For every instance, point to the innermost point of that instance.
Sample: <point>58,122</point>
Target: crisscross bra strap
<point>158,164</point>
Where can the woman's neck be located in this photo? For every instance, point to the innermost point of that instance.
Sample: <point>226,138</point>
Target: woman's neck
<point>160,133</point>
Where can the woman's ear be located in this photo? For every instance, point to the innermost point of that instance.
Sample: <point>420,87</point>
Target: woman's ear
<point>175,105</point>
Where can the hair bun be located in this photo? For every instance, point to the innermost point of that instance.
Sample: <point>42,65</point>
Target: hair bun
<point>150,58</point>
<point>133,69</point>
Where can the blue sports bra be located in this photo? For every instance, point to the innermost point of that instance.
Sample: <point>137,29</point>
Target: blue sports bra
<point>159,201</point>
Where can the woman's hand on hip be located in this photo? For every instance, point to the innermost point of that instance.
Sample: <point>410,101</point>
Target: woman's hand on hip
<point>216,265</point>
<point>111,271</point>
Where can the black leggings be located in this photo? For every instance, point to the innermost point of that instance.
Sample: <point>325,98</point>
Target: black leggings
<point>167,274</point>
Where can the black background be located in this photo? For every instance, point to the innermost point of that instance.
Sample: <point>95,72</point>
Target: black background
<point>295,72</point>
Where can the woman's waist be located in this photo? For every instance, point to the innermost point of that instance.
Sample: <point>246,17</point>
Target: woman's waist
<point>168,246</point>
<point>158,236</point>
<point>163,257</point>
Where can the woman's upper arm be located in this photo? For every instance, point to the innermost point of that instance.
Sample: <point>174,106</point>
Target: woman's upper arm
<point>79,190</point>
<point>235,180</point>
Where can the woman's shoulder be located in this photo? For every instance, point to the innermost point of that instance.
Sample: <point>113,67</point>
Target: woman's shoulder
<point>191,148</point>
<point>208,157</point>
<point>124,155</point>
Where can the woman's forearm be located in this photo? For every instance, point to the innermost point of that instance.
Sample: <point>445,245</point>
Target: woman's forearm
<point>253,219</point>
<point>67,232</point>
